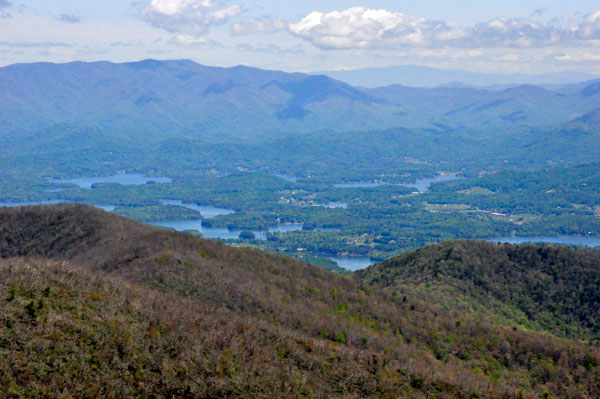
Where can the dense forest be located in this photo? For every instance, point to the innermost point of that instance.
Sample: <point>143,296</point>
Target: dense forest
<point>526,156</point>
<point>380,220</point>
<point>552,288</point>
<point>295,171</point>
<point>281,159</point>
<point>96,303</point>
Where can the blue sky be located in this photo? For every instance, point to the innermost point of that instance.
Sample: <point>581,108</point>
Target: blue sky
<point>507,36</point>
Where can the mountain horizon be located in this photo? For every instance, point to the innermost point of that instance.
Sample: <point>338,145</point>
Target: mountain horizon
<point>425,76</point>
<point>181,97</point>
<point>473,79</point>
<point>330,200</point>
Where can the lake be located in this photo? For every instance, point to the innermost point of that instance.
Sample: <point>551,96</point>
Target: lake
<point>567,240</point>
<point>207,232</point>
<point>358,185</point>
<point>223,233</point>
<point>206,211</point>
<point>107,208</point>
<point>353,263</point>
<point>288,178</point>
<point>335,204</point>
<point>122,178</point>
<point>423,185</point>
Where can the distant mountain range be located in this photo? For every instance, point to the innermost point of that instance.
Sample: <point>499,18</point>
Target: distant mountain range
<point>421,76</point>
<point>181,98</point>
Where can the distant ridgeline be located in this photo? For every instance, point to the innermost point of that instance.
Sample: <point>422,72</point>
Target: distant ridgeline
<point>181,118</point>
<point>94,304</point>
<point>248,102</point>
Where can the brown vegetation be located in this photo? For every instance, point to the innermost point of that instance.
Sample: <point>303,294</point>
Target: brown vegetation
<point>97,305</point>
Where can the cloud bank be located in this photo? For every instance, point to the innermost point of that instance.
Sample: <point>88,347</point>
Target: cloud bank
<point>33,44</point>
<point>364,28</point>
<point>191,17</point>
<point>253,25</point>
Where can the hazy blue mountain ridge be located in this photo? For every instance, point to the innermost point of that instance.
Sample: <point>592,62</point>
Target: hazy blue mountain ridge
<point>173,97</point>
<point>467,107</point>
<point>181,98</point>
<point>422,76</point>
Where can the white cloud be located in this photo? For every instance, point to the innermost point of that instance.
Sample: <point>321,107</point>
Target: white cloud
<point>253,25</point>
<point>190,41</point>
<point>590,28</point>
<point>224,14</point>
<point>191,17</point>
<point>360,27</point>
<point>578,57</point>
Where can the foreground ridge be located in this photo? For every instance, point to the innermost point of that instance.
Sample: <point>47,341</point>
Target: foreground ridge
<point>98,305</point>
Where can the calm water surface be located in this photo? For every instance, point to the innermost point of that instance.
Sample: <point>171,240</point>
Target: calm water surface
<point>353,263</point>
<point>123,178</point>
<point>288,178</point>
<point>107,208</point>
<point>207,232</point>
<point>358,185</point>
<point>206,211</point>
<point>421,185</point>
<point>335,204</point>
<point>223,233</point>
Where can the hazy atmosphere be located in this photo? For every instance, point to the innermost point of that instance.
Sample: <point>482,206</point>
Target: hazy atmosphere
<point>508,36</point>
<point>313,199</point>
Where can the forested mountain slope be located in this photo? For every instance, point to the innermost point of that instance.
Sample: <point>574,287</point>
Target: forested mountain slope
<point>555,288</point>
<point>176,98</point>
<point>97,303</point>
<point>182,98</point>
